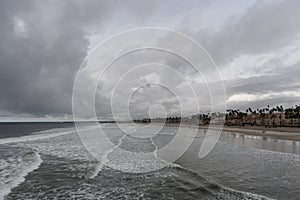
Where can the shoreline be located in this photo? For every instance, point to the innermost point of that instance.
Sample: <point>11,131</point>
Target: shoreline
<point>282,133</point>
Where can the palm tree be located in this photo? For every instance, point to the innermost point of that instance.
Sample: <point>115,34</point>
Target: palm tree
<point>277,109</point>
<point>250,110</point>
<point>267,109</point>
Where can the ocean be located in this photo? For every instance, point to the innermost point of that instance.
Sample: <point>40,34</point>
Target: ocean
<point>49,161</point>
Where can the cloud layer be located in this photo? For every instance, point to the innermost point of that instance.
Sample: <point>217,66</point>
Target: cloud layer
<point>256,45</point>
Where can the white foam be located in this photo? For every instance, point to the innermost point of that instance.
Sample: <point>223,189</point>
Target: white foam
<point>157,157</point>
<point>167,133</point>
<point>41,135</point>
<point>14,173</point>
<point>120,159</point>
<point>103,158</point>
<point>98,169</point>
<point>33,137</point>
<point>249,194</point>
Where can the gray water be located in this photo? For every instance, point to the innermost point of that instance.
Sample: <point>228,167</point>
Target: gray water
<point>54,164</point>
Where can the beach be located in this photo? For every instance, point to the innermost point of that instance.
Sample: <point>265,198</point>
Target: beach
<point>282,133</point>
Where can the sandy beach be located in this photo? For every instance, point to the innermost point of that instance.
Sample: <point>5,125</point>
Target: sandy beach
<point>283,133</point>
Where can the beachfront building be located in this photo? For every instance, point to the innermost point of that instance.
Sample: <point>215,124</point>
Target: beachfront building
<point>197,119</point>
<point>193,119</point>
<point>257,119</point>
<point>158,120</point>
<point>217,118</point>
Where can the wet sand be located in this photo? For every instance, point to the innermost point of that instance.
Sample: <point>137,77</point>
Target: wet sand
<point>283,133</point>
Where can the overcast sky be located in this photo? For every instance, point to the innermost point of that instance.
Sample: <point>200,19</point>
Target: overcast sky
<point>255,44</point>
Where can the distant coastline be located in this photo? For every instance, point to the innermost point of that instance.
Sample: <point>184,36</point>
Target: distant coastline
<point>282,133</point>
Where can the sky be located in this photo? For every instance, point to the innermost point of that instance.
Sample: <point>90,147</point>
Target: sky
<point>254,44</point>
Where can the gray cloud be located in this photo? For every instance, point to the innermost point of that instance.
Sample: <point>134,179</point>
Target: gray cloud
<point>37,70</point>
<point>265,27</point>
<point>43,44</point>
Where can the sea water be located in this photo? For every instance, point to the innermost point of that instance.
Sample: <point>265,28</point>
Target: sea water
<point>53,163</point>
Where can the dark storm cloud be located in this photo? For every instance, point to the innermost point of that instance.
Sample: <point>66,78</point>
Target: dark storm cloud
<point>44,42</point>
<point>37,68</point>
<point>42,46</point>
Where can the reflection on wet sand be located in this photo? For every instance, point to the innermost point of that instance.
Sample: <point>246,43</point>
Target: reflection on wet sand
<point>263,142</point>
